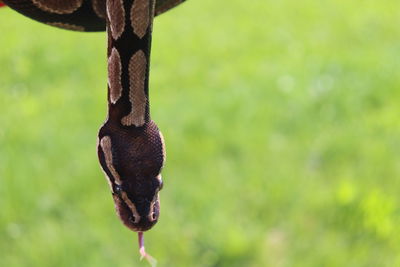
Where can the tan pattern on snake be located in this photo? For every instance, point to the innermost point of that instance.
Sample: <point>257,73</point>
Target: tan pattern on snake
<point>66,26</point>
<point>99,7</point>
<point>140,17</point>
<point>58,6</point>
<point>131,148</point>
<point>137,95</point>
<point>114,76</point>
<point>116,17</point>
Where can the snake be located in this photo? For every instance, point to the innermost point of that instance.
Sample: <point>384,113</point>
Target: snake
<point>130,146</point>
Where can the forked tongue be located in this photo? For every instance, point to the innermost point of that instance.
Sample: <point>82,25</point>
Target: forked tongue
<point>143,254</point>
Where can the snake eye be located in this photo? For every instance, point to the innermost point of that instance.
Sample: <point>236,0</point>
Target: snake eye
<point>153,216</point>
<point>117,189</point>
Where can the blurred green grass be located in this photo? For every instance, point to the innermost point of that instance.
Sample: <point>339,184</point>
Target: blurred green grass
<point>282,126</point>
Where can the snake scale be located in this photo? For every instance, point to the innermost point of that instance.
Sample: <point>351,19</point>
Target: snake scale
<point>130,146</point>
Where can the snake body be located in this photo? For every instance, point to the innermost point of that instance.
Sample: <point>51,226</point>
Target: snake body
<point>131,148</point>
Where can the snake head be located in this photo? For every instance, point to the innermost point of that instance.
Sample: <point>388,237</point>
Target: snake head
<point>132,159</point>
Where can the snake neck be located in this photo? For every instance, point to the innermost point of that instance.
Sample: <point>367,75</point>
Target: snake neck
<point>129,28</point>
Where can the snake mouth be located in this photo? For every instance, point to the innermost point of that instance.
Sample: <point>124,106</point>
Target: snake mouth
<point>143,228</point>
<point>140,220</point>
<point>147,222</point>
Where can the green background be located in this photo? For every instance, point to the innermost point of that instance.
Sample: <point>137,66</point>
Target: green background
<point>281,120</point>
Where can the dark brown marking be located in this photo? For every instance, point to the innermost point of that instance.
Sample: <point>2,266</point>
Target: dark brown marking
<point>164,5</point>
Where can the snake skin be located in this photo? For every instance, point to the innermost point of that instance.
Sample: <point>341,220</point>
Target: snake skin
<point>90,16</point>
<point>131,148</point>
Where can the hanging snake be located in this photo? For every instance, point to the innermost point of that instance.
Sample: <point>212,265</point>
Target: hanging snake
<point>130,148</point>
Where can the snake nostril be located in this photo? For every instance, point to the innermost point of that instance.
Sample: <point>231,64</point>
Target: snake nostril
<point>152,217</point>
<point>133,219</point>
